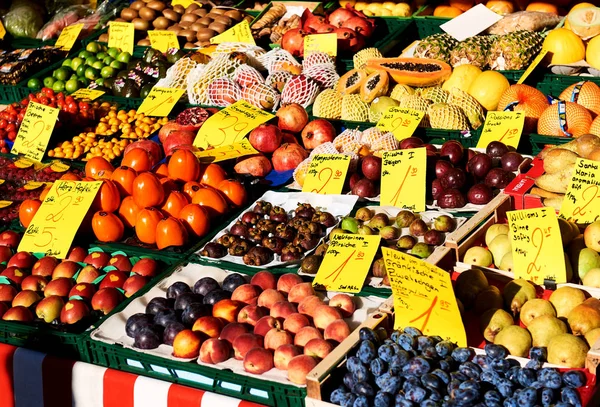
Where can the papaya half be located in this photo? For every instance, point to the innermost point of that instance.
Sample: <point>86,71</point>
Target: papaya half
<point>412,71</point>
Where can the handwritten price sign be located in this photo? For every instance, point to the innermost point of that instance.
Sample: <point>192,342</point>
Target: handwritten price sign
<point>346,263</point>
<point>505,127</point>
<point>35,131</point>
<point>55,224</point>
<point>68,36</point>
<point>423,297</point>
<point>326,43</point>
<point>536,245</point>
<point>163,40</point>
<point>227,152</point>
<point>326,174</point>
<point>401,122</point>
<point>238,33</point>
<point>230,125</point>
<point>121,36</point>
<point>185,3</point>
<point>85,93</point>
<point>160,101</point>
<point>582,200</point>
<point>403,179</point>
<point>533,65</point>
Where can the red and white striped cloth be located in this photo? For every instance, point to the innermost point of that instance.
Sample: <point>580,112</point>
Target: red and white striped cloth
<point>34,379</point>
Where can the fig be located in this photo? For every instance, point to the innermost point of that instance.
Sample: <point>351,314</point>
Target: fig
<point>480,194</point>
<point>418,227</point>
<point>451,198</point>
<point>404,219</point>
<point>421,250</point>
<point>406,242</point>
<point>365,230</point>
<point>511,161</point>
<point>364,214</point>
<point>480,165</point>
<point>258,256</point>
<point>444,223</point>
<point>379,221</point>
<point>214,250</point>
<point>364,188</point>
<point>453,150</point>
<point>378,268</point>
<point>497,178</point>
<point>454,178</point>
<point>441,168</point>
<point>389,233</point>
<point>434,237</point>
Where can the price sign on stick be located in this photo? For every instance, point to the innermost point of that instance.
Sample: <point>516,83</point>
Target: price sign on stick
<point>537,247</point>
<point>400,121</point>
<point>326,174</point>
<point>347,262</point>
<point>403,179</point>
<point>85,93</point>
<point>35,131</point>
<point>160,101</point>
<point>163,40</point>
<point>68,36</point>
<point>230,125</point>
<point>238,33</point>
<point>582,200</point>
<point>505,127</point>
<point>326,43</point>
<point>121,36</point>
<point>54,225</point>
<point>227,152</point>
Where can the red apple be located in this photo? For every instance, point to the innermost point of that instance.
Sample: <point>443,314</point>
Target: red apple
<point>146,267</point>
<point>133,284</point>
<point>73,311</point>
<point>120,262</point>
<point>5,253</point>
<point>88,274</point>
<point>14,274</point>
<point>3,309</point>
<point>45,266</point>
<point>22,260</point>
<point>60,286</point>
<point>84,290</point>
<point>49,308</point>
<point>113,278</point>
<point>106,299</point>
<point>34,283</point>
<point>26,298</point>
<point>77,254</point>
<point>10,238</point>
<point>19,313</point>
<point>7,292</point>
<point>97,259</point>
<point>66,269</point>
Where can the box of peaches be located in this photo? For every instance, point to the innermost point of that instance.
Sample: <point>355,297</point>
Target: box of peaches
<point>277,327</point>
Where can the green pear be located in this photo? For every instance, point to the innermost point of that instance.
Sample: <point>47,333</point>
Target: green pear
<point>493,321</point>
<point>478,256</point>
<point>499,247</point>
<point>568,269</point>
<point>516,339</point>
<point>565,299</point>
<point>516,293</point>
<point>573,250</point>
<point>468,286</point>
<point>591,236</point>
<point>507,262</point>
<point>495,230</point>
<point>592,278</point>
<point>566,232</point>
<point>488,299</point>
<point>591,337</point>
<point>585,317</point>
<point>567,350</point>
<point>587,259</point>
<point>536,308</point>
<point>544,328</point>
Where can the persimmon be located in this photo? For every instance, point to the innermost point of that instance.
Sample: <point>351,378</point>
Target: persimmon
<point>123,178</point>
<point>107,227</point>
<point>170,232</point>
<point>190,188</point>
<point>195,219</point>
<point>184,166</point>
<point>234,192</point>
<point>174,203</point>
<point>138,159</point>
<point>162,171</point>
<point>44,192</point>
<point>211,199</point>
<point>108,197</point>
<point>128,211</point>
<point>169,185</point>
<point>27,211</point>
<point>145,225</point>
<point>147,190</point>
<point>212,175</point>
<point>96,166</point>
<point>69,176</point>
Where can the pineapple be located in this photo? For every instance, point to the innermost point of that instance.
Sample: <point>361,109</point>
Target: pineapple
<point>473,50</point>
<point>515,50</point>
<point>436,46</point>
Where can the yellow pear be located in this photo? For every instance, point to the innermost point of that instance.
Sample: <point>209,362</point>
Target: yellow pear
<point>565,299</point>
<point>544,328</point>
<point>567,350</point>
<point>585,317</point>
<point>516,339</point>
<point>516,293</point>
<point>592,278</point>
<point>499,247</point>
<point>535,308</point>
<point>495,230</point>
<point>468,286</point>
<point>478,256</point>
<point>493,321</point>
<point>592,337</point>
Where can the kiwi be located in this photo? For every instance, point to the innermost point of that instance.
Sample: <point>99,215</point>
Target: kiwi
<point>136,5</point>
<point>179,9</point>
<point>224,20</point>
<point>156,5</point>
<point>171,15</point>
<point>140,24</point>
<point>145,42</point>
<point>234,14</point>
<point>205,34</point>
<point>161,23</point>
<point>218,27</point>
<point>201,12</point>
<point>188,34</point>
<point>128,14</point>
<point>147,13</point>
<point>189,18</point>
<point>218,10</point>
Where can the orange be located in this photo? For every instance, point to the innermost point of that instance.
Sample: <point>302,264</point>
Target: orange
<point>542,6</point>
<point>578,123</point>
<point>447,11</point>
<point>501,7</point>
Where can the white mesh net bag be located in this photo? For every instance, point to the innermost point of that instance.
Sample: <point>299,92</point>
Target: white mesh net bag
<point>316,58</point>
<point>245,75</point>
<point>177,74</point>
<point>279,59</point>
<point>324,74</point>
<point>277,80</point>
<point>252,52</point>
<point>300,89</point>
<point>261,96</point>
<point>325,148</point>
<point>347,140</point>
<point>386,143</point>
<point>371,136</point>
<point>221,66</point>
<point>354,158</point>
<point>223,92</point>
<point>301,170</point>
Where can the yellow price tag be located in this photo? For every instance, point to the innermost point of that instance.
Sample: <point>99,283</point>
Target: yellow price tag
<point>423,297</point>
<point>505,127</point>
<point>5,204</point>
<point>59,166</point>
<point>347,262</point>
<point>85,93</point>
<point>35,131</point>
<point>121,36</point>
<point>55,224</point>
<point>403,179</point>
<point>160,101</point>
<point>533,65</point>
<point>582,200</point>
<point>31,185</point>
<point>326,174</point>
<point>400,121</point>
<point>326,43</point>
<point>227,152</point>
<point>230,125</point>
<point>162,40</point>
<point>68,36</point>
<point>2,181</point>
<point>537,247</point>
<point>238,33</point>
<point>185,3</point>
<point>23,162</point>
<point>2,30</point>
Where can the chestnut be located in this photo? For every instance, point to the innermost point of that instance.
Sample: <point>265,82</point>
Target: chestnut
<point>278,214</point>
<point>305,211</point>
<point>214,250</point>
<point>258,256</point>
<point>274,243</point>
<point>240,248</point>
<point>324,218</point>
<point>263,208</point>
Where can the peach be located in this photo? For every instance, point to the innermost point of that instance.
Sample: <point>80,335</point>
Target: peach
<point>325,315</point>
<point>300,291</point>
<point>113,278</point>
<point>133,284</point>
<point>265,280</point>
<point>10,238</point>
<point>19,313</point>
<point>73,311</point>
<point>214,351</point>
<point>232,331</point>
<point>84,290</point>
<point>294,322</point>
<point>97,259</point>
<point>344,304</point>
<point>65,269</point>
<point>265,324</point>
<point>106,299</point>
<point>120,262</point>
<point>14,274</point>
<point>22,260</point>
<point>77,253</point>
<point>337,331</point>
<point>227,309</point>
<point>146,267</point>
<point>284,354</point>
<point>209,326</point>
<point>277,337</point>
<point>61,287</point>
<point>250,314</point>
<point>307,305</point>
<point>34,283</point>
<point>282,309</point>
<point>26,298</point>
<point>88,274</point>
<point>246,293</point>
<point>187,344</point>
<point>258,361</point>
<point>45,266</point>
<point>305,334</point>
<point>269,297</point>
<point>318,348</point>
<point>287,281</point>
<point>7,292</point>
<point>49,308</point>
<point>244,343</point>
<point>299,367</point>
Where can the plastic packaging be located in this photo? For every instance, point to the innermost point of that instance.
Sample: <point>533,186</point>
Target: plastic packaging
<point>24,18</point>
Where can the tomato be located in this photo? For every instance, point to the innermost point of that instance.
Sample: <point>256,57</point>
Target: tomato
<point>96,166</point>
<point>184,166</point>
<point>128,211</point>
<point>174,203</point>
<point>138,159</point>
<point>107,227</point>
<point>195,219</point>
<point>234,192</point>
<point>146,223</point>
<point>108,197</point>
<point>170,232</point>
<point>211,199</point>
<point>48,92</point>
<point>123,178</point>
<point>212,175</point>
<point>147,190</point>
<point>27,211</point>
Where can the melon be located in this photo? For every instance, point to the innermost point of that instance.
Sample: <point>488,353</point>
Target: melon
<point>588,96</point>
<point>526,99</point>
<point>585,22</point>
<point>564,47</point>
<point>488,87</point>
<point>412,71</point>
<point>462,77</point>
<point>592,55</point>
<point>578,123</point>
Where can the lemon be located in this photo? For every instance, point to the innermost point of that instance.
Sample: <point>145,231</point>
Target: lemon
<point>488,87</point>
<point>462,76</point>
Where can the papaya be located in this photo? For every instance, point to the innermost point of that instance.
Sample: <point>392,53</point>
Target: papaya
<point>376,84</point>
<point>412,71</point>
<point>351,81</point>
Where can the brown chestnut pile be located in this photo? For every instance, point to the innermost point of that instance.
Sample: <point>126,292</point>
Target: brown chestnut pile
<point>267,231</point>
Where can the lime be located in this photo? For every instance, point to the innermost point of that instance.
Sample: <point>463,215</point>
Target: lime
<point>67,62</point>
<point>99,81</point>
<point>124,57</point>
<point>117,65</point>
<point>84,54</point>
<point>107,72</point>
<point>107,60</point>
<point>62,73</point>
<point>91,73</point>
<point>48,82</point>
<point>93,47</point>
<point>72,85</point>
<point>58,86</point>
<point>113,52</point>
<point>83,82</point>
<point>76,62</point>
<point>81,71</point>
<point>90,61</point>
<point>74,76</point>
<point>34,83</point>
<point>101,55</point>
<point>98,65</point>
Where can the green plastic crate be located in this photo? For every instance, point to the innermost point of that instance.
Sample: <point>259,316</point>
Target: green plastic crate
<point>539,142</point>
<point>553,85</point>
<point>428,25</point>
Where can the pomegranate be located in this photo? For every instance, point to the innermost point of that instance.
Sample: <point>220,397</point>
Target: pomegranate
<point>266,138</point>
<point>176,139</point>
<point>360,25</point>
<point>349,40</point>
<point>170,127</point>
<point>256,165</point>
<point>325,29</point>
<point>312,22</point>
<point>292,117</point>
<point>288,156</point>
<point>293,41</point>
<point>192,118</point>
<point>317,132</point>
<point>340,15</point>
<point>289,138</point>
<point>149,146</point>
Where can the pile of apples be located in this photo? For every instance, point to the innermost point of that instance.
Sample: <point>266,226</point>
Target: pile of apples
<point>54,291</point>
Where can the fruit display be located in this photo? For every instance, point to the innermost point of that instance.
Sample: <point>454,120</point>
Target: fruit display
<point>18,174</point>
<point>380,9</point>
<point>280,228</point>
<point>276,327</point>
<point>20,63</point>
